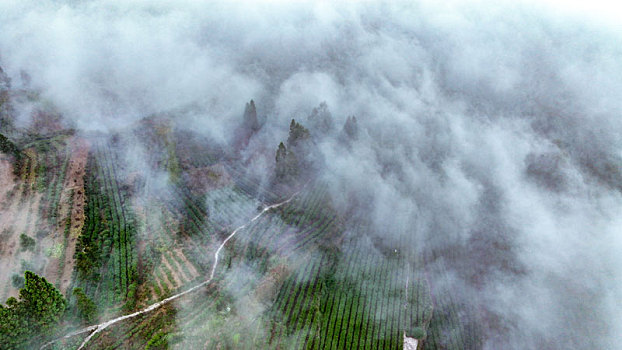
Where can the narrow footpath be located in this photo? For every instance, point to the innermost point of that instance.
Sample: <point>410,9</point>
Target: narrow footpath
<point>94,329</point>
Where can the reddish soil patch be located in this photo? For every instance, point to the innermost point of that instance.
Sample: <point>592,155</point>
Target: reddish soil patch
<point>165,280</point>
<point>178,268</point>
<point>207,178</point>
<point>6,178</point>
<point>180,254</point>
<point>74,184</point>
<point>177,277</point>
<point>72,202</point>
<point>268,285</point>
<point>19,218</point>
<point>18,215</point>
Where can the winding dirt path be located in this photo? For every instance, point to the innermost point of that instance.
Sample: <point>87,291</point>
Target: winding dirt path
<point>100,327</point>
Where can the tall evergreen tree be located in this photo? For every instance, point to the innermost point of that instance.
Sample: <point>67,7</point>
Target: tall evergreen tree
<point>43,303</point>
<point>297,134</point>
<point>87,310</point>
<point>286,164</point>
<point>321,119</point>
<point>250,116</point>
<point>350,128</point>
<point>39,309</point>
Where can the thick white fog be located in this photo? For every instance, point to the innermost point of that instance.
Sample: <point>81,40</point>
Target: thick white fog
<point>492,131</point>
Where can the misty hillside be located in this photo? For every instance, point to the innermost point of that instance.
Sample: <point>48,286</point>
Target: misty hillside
<point>274,175</point>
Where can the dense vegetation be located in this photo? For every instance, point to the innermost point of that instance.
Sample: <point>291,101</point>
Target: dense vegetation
<point>26,242</point>
<point>301,288</point>
<point>86,308</point>
<point>34,315</point>
<point>9,148</point>
<point>106,259</point>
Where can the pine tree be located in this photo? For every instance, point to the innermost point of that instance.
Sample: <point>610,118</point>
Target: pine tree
<point>38,310</point>
<point>297,133</point>
<point>321,119</point>
<point>87,310</point>
<point>9,148</point>
<point>286,164</point>
<point>44,304</point>
<point>250,116</point>
<point>351,128</point>
<point>281,153</point>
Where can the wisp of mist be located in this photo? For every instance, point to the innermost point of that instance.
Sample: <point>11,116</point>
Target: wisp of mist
<point>492,131</point>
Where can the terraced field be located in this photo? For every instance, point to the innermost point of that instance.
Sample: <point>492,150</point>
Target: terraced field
<point>39,204</point>
<point>304,292</point>
<point>299,277</point>
<point>106,254</point>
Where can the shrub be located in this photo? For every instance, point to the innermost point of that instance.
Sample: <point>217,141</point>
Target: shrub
<point>87,310</point>
<point>26,242</point>
<point>418,333</point>
<point>17,281</point>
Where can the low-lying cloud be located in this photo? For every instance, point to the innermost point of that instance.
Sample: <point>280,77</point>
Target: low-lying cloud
<point>491,131</point>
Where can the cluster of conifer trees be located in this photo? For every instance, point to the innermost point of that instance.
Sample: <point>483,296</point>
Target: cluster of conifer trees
<point>35,314</point>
